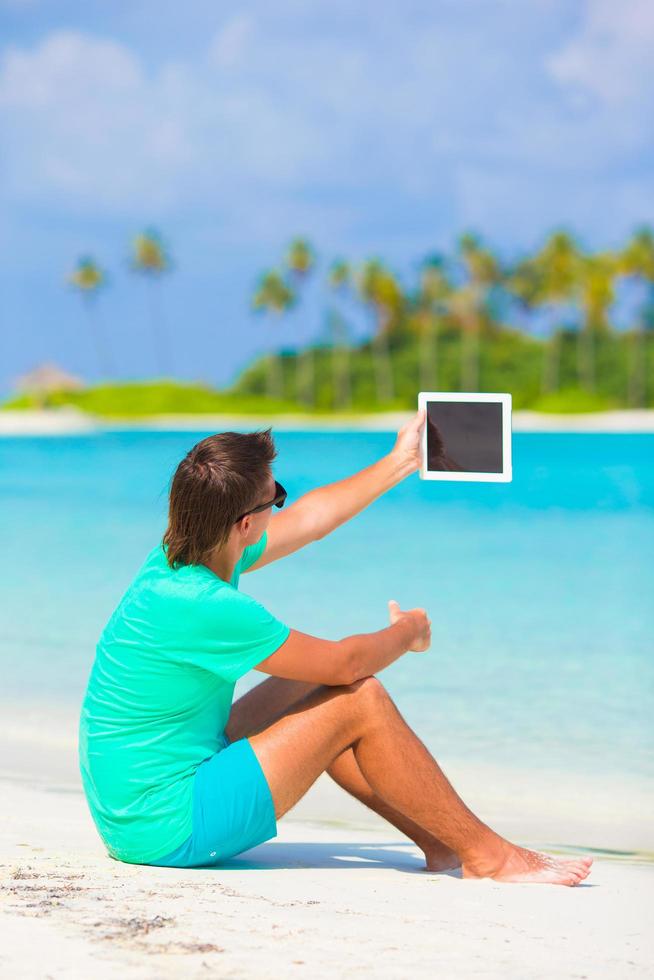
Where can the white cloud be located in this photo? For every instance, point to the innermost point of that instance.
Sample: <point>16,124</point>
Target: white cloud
<point>230,42</point>
<point>343,127</point>
<point>84,118</point>
<point>611,55</point>
<point>60,66</point>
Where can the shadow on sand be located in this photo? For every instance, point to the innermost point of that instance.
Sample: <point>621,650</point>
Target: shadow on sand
<point>277,855</point>
<point>283,855</point>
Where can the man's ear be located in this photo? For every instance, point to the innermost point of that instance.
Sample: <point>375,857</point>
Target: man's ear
<point>244,526</point>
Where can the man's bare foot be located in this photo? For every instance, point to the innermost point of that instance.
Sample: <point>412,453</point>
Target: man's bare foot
<point>520,865</point>
<point>441,858</point>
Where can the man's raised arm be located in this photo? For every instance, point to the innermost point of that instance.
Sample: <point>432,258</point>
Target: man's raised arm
<point>318,512</point>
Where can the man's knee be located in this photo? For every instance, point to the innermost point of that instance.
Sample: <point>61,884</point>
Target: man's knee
<point>361,704</point>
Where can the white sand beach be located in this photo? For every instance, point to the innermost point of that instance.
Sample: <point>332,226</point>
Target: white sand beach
<point>318,901</point>
<point>339,892</point>
<point>68,421</point>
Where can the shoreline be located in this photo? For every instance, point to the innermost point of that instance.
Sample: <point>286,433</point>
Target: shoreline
<point>325,807</point>
<point>69,421</point>
<point>604,812</point>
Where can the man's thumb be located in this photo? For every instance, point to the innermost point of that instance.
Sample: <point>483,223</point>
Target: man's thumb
<point>392,602</point>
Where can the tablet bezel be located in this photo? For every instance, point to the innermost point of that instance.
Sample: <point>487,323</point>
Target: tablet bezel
<point>466,396</point>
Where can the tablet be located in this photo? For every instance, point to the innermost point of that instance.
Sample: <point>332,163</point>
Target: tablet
<point>466,436</point>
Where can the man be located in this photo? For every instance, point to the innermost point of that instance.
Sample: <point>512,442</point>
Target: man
<point>175,774</point>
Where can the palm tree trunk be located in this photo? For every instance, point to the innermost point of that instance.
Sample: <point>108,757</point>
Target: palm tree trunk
<point>302,381</point>
<point>551,363</point>
<point>636,391</point>
<point>103,354</point>
<point>305,377</point>
<point>275,367</point>
<point>428,375</point>
<point>382,360</point>
<point>275,378</point>
<point>344,377</point>
<point>159,332</point>
<point>342,395</point>
<point>586,357</point>
<point>470,355</point>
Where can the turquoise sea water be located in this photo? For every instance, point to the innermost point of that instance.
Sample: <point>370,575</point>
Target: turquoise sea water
<point>540,591</point>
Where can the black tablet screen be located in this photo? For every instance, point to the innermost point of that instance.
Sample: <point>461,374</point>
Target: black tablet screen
<point>464,436</point>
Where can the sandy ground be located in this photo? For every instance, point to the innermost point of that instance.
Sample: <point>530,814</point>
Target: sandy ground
<point>67,421</point>
<point>318,901</point>
<point>338,894</point>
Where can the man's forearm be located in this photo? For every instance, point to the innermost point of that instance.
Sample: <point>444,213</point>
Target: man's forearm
<point>366,653</point>
<point>335,503</point>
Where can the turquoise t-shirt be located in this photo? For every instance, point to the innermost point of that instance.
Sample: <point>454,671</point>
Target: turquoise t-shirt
<point>159,696</point>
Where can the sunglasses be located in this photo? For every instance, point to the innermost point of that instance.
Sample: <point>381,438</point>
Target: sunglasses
<point>277,501</point>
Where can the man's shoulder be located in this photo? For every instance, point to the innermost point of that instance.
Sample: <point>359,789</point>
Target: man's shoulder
<point>164,589</point>
<point>156,586</point>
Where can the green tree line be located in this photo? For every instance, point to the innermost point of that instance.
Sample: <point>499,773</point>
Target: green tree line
<point>466,322</point>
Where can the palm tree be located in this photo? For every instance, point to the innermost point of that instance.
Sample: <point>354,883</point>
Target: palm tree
<point>339,280</point>
<point>550,280</point>
<point>300,261</point>
<point>150,259</point>
<point>636,262</point>
<point>597,293</point>
<point>432,304</point>
<point>470,304</point>
<point>339,275</point>
<point>274,296</point>
<point>89,279</point>
<point>300,257</point>
<point>380,290</point>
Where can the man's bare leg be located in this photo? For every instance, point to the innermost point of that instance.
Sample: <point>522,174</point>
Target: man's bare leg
<point>345,771</point>
<point>270,700</point>
<point>295,749</point>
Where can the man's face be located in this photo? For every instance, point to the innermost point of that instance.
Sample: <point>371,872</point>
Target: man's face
<point>270,495</point>
<point>259,522</point>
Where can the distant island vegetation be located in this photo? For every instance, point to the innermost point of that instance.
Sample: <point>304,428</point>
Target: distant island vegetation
<point>541,328</point>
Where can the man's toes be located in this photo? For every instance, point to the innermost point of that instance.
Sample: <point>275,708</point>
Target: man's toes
<point>578,870</point>
<point>573,872</point>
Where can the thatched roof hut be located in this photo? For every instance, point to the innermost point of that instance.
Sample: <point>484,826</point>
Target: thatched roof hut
<point>47,378</point>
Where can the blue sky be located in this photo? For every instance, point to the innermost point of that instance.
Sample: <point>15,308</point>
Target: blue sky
<point>383,128</point>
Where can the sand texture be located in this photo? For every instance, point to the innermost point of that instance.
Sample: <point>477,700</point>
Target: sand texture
<point>318,901</point>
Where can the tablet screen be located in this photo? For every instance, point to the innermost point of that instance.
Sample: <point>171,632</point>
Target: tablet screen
<point>464,436</point>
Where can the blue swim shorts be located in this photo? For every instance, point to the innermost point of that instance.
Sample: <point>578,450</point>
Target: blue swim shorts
<point>233,809</point>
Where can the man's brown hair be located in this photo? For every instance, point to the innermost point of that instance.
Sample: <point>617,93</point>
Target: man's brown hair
<point>219,479</point>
